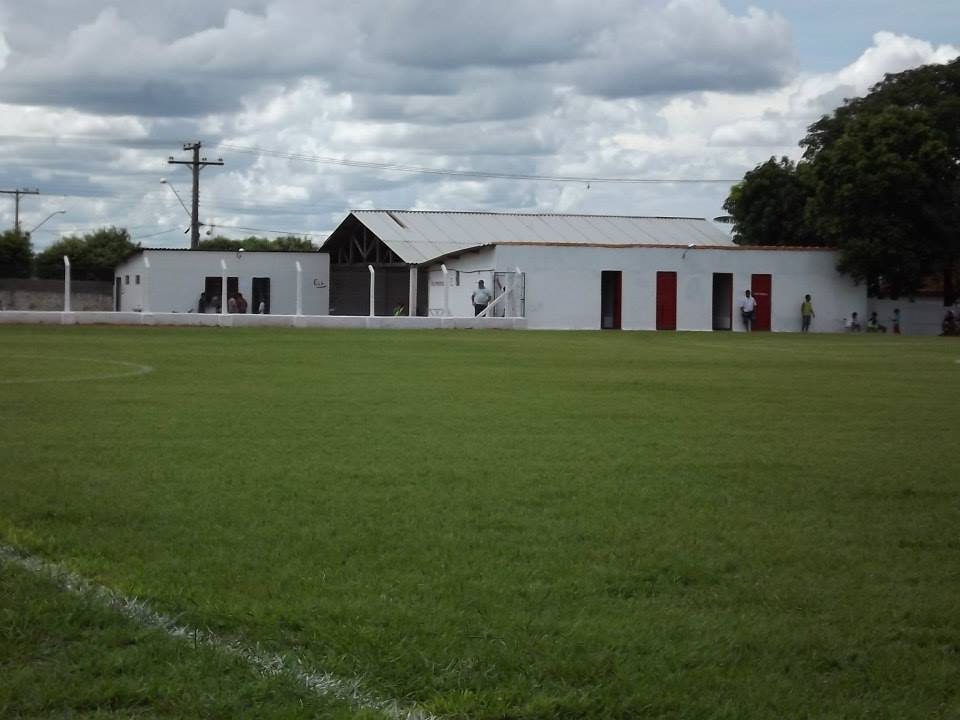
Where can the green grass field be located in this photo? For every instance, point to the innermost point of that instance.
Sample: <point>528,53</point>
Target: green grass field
<point>486,524</point>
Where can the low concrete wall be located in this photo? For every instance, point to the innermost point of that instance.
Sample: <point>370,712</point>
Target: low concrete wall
<point>23,317</point>
<point>47,295</point>
<point>923,316</point>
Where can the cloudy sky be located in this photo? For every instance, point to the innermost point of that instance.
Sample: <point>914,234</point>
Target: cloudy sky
<point>320,107</point>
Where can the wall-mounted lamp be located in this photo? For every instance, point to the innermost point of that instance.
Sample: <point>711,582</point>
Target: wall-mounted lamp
<point>240,254</point>
<point>690,246</point>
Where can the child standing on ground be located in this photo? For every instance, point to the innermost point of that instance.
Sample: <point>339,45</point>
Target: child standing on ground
<point>806,313</point>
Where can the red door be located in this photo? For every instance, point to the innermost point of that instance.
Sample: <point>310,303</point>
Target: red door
<point>666,301</point>
<point>761,286</point>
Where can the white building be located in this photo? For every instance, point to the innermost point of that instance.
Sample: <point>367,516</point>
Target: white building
<point>581,271</point>
<point>167,281</point>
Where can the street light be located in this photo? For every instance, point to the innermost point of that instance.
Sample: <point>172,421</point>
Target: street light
<point>55,212</point>
<point>164,181</point>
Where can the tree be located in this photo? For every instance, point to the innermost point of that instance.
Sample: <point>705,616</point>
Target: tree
<point>887,191</point>
<point>885,173</point>
<point>93,256</point>
<point>219,243</point>
<point>768,207</point>
<point>286,243</point>
<point>292,243</point>
<point>16,255</point>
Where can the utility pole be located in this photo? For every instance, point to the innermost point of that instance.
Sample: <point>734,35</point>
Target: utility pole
<point>16,194</point>
<point>196,164</point>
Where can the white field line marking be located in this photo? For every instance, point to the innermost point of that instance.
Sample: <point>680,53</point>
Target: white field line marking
<point>323,684</point>
<point>137,369</point>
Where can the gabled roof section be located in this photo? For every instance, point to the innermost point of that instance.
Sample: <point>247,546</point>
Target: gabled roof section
<point>418,236</point>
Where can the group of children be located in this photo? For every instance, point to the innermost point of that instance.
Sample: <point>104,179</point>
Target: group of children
<point>873,323</point>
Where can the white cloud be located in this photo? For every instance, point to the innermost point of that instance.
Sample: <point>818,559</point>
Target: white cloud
<point>774,121</point>
<point>416,48</point>
<point>654,89</point>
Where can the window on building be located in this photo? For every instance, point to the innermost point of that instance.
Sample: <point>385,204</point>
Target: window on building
<point>137,280</point>
<point>126,279</point>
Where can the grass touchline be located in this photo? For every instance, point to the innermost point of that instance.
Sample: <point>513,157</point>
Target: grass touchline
<point>267,663</point>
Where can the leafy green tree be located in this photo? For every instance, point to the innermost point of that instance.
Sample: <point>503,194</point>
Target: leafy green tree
<point>219,243</point>
<point>934,88</point>
<point>286,243</point>
<point>16,255</point>
<point>885,174</point>
<point>879,180</point>
<point>887,191</point>
<point>768,207</point>
<point>93,256</point>
<point>293,243</point>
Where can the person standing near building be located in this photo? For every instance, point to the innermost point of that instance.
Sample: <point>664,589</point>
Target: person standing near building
<point>895,321</point>
<point>748,305</point>
<point>481,298</point>
<point>806,313</point>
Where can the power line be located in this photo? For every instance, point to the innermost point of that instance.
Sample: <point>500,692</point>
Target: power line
<point>126,142</point>
<point>295,233</point>
<point>162,232</point>
<point>17,193</point>
<point>346,162</point>
<point>462,173</point>
<point>215,202</point>
<point>266,230</point>
<point>196,164</point>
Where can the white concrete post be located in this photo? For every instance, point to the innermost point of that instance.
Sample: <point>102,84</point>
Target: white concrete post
<point>66,284</point>
<point>299,288</point>
<point>223,287</point>
<point>517,280</point>
<point>412,295</point>
<point>144,288</point>
<point>446,291</point>
<point>373,276</point>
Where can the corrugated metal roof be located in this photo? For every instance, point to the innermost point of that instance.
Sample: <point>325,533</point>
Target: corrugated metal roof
<point>418,236</point>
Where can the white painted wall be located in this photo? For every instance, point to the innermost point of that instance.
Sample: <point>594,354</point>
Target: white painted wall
<point>40,317</point>
<point>131,292</point>
<point>563,284</point>
<point>464,273</point>
<point>176,279</point>
<point>922,316</point>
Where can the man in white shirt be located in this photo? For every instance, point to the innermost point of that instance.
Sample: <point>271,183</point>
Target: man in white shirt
<point>481,298</point>
<point>748,304</point>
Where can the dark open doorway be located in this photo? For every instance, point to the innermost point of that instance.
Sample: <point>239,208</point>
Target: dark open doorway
<point>611,289</point>
<point>213,287</point>
<point>260,293</point>
<point>723,301</point>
